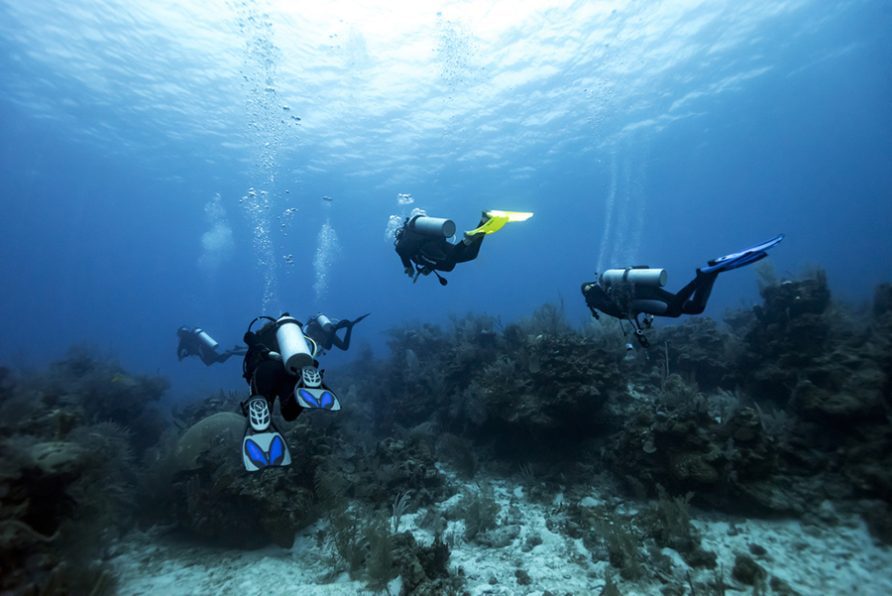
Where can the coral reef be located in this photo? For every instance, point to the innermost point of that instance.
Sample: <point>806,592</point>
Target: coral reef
<point>67,479</point>
<point>784,410</point>
<point>789,332</point>
<point>535,384</point>
<point>808,420</point>
<point>685,449</point>
<point>216,501</point>
<point>698,350</point>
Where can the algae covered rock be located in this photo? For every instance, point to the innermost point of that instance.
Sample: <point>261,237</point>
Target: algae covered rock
<point>555,390</point>
<point>833,405</point>
<point>224,429</point>
<point>398,466</point>
<point>882,300</point>
<point>57,458</point>
<point>220,503</point>
<point>696,349</point>
<point>535,380</point>
<point>790,330</point>
<point>686,449</point>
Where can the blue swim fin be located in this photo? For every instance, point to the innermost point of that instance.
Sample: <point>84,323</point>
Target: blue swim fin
<point>311,393</point>
<point>262,446</point>
<point>742,258</point>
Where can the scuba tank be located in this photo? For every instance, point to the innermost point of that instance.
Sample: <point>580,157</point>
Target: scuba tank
<point>433,226</point>
<point>292,345</point>
<point>205,339</point>
<point>324,323</point>
<point>642,276</point>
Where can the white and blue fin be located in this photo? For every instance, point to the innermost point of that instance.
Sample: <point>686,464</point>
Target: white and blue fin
<point>742,258</point>
<point>263,446</point>
<point>311,392</point>
<point>320,398</point>
<point>265,450</point>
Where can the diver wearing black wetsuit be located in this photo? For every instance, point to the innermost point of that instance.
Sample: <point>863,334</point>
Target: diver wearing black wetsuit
<point>626,301</point>
<point>196,342</point>
<point>324,331</point>
<point>264,372</point>
<point>422,254</point>
<point>627,293</point>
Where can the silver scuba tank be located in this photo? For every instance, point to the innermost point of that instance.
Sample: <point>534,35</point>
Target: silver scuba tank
<point>433,226</point>
<point>292,345</point>
<point>324,322</point>
<point>642,277</point>
<point>206,339</point>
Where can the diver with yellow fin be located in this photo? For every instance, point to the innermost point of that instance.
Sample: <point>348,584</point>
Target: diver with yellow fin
<point>423,246</point>
<point>279,363</point>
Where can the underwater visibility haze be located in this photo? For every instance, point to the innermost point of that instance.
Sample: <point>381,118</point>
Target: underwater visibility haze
<point>198,164</point>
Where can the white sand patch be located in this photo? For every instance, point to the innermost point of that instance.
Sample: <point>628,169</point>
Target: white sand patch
<point>831,558</point>
<point>812,559</point>
<point>144,566</point>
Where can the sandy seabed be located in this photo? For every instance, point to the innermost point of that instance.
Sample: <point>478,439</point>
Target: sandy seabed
<point>814,558</point>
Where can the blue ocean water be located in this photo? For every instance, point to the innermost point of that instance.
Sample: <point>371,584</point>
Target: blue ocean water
<point>166,163</point>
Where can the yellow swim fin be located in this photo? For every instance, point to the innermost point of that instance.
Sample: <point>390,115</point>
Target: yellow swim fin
<point>497,220</point>
<point>511,215</point>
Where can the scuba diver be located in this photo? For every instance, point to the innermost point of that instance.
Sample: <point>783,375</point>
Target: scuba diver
<point>628,293</point>
<point>197,342</point>
<point>324,331</point>
<point>424,249</point>
<point>278,363</point>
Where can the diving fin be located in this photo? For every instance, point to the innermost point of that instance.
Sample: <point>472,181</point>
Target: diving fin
<point>312,393</point>
<point>497,220</point>
<point>358,319</point>
<point>263,446</point>
<point>742,258</point>
<point>264,450</point>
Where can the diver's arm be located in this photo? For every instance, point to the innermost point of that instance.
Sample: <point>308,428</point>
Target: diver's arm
<point>406,248</point>
<point>408,267</point>
<point>586,288</point>
<point>188,347</point>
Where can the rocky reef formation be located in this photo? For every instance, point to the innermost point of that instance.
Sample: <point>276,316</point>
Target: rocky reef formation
<point>798,415</point>
<point>782,410</point>
<point>535,385</point>
<point>68,441</point>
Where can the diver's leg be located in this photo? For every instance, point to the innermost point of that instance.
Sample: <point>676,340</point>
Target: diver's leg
<point>692,299</point>
<point>272,380</point>
<point>336,340</point>
<point>268,379</point>
<point>209,357</point>
<point>225,355</point>
<point>470,238</point>
<point>467,249</point>
<point>263,445</point>
<point>287,403</point>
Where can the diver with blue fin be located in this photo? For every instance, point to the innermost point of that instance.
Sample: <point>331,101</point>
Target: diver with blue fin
<point>634,291</point>
<point>279,363</point>
<point>423,246</point>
